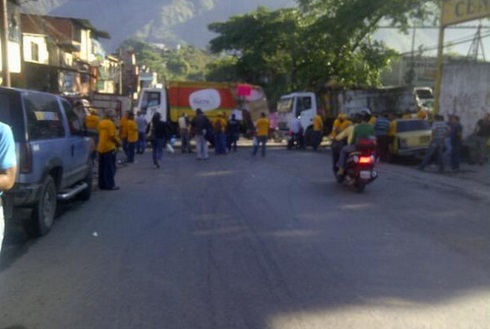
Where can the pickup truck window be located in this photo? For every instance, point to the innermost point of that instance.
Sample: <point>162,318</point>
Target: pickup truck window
<point>44,120</point>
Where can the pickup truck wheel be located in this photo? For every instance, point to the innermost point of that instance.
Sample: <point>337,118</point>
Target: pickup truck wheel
<point>85,194</point>
<point>44,211</point>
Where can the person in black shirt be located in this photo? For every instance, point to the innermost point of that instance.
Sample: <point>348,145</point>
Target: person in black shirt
<point>232,131</point>
<point>158,134</point>
<point>482,133</point>
<point>200,127</point>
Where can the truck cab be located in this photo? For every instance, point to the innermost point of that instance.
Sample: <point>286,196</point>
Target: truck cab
<point>302,105</point>
<point>151,101</point>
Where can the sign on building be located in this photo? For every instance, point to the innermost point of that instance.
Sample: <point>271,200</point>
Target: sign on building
<point>459,11</point>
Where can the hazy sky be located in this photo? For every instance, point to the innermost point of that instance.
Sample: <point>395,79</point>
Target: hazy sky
<point>428,39</point>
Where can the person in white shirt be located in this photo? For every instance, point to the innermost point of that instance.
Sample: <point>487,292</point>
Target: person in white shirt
<point>296,128</point>
<point>184,130</point>
<point>142,124</point>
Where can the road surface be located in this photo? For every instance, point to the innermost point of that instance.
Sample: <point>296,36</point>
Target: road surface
<point>257,243</point>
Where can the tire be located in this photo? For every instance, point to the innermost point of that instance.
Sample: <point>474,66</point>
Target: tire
<point>86,194</point>
<point>290,144</point>
<point>360,186</point>
<point>44,212</point>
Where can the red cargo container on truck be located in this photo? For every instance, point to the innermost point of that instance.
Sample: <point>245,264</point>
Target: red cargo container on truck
<point>213,98</point>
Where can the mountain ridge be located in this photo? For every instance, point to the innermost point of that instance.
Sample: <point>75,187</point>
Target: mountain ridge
<point>169,22</point>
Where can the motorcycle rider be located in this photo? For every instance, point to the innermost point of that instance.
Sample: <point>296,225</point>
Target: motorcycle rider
<point>343,138</point>
<point>363,130</point>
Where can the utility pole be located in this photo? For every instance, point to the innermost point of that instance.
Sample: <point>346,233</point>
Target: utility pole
<point>477,43</point>
<point>4,36</point>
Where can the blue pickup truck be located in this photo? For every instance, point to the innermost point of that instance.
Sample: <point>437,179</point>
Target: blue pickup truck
<point>53,153</point>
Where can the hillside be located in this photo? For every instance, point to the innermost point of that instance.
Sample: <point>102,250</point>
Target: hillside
<point>160,21</point>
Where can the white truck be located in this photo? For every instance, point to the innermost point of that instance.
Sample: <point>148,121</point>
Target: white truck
<point>302,105</point>
<point>305,105</point>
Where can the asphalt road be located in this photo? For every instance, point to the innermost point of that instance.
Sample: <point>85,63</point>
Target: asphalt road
<point>241,242</point>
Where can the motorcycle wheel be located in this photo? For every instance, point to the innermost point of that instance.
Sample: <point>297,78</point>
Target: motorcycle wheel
<point>290,144</point>
<point>360,186</point>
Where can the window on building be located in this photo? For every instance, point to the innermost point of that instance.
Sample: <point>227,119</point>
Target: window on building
<point>34,52</point>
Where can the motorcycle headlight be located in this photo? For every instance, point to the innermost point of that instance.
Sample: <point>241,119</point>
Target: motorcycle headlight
<point>402,143</point>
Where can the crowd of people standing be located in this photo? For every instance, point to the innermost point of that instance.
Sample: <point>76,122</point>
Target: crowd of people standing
<point>223,133</point>
<point>446,140</point>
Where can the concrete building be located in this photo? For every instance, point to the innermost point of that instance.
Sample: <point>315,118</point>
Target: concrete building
<point>61,55</point>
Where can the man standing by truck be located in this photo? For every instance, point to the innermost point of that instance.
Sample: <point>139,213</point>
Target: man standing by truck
<point>8,168</point>
<point>317,131</point>
<point>261,134</point>
<point>142,124</point>
<point>184,131</point>
<point>123,132</point>
<point>200,124</point>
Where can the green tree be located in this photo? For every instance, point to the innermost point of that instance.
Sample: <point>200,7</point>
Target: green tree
<point>182,63</point>
<point>292,49</point>
<point>264,46</point>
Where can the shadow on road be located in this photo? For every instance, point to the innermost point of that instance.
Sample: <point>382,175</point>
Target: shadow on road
<point>17,241</point>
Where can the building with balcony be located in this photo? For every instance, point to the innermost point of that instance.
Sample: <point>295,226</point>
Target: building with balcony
<point>61,55</point>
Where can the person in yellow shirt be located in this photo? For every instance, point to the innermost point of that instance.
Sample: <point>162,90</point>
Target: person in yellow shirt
<point>132,133</point>
<point>317,131</point>
<point>219,128</point>
<point>345,123</point>
<point>123,132</point>
<point>336,126</point>
<point>91,123</point>
<point>261,134</point>
<point>339,125</point>
<point>92,120</point>
<point>106,148</point>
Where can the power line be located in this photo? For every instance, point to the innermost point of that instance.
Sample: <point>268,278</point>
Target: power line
<point>433,27</point>
<point>450,43</point>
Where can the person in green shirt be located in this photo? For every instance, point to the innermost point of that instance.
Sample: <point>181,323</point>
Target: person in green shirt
<point>363,130</point>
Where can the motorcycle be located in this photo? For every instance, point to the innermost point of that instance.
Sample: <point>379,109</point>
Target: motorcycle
<point>360,164</point>
<point>294,141</point>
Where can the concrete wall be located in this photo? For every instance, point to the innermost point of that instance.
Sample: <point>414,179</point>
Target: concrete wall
<point>465,91</point>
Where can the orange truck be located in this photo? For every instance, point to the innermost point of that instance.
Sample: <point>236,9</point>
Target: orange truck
<point>213,98</point>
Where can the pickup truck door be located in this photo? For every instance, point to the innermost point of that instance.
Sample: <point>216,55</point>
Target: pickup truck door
<point>78,157</point>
